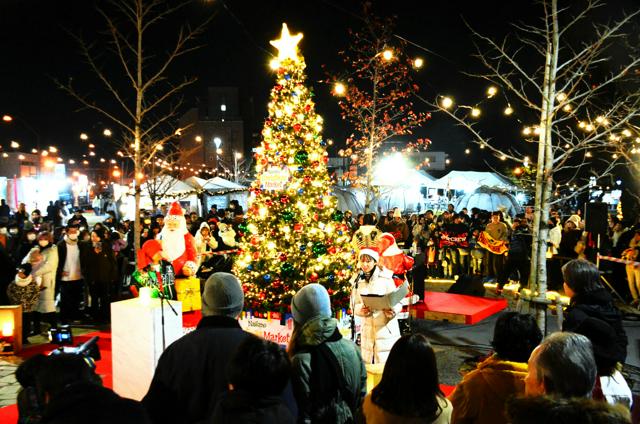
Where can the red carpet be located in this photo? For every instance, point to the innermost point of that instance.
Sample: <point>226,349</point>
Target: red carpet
<point>457,308</point>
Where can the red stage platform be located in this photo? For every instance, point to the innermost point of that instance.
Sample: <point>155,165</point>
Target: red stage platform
<point>456,308</point>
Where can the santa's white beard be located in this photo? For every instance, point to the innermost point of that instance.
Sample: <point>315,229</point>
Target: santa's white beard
<point>172,243</point>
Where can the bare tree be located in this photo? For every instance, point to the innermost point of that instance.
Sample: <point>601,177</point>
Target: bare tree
<point>378,97</point>
<point>570,91</point>
<point>146,104</point>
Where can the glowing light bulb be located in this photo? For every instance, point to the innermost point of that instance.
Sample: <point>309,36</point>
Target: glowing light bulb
<point>387,54</point>
<point>561,97</point>
<point>526,131</point>
<point>626,133</point>
<point>508,110</point>
<point>418,63</point>
<point>446,102</point>
<point>567,108</point>
<point>475,112</point>
<point>491,91</point>
<point>339,89</point>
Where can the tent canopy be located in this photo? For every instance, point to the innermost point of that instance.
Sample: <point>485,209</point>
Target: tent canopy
<point>489,199</point>
<point>471,180</point>
<point>167,185</point>
<point>218,183</point>
<point>195,182</point>
<point>411,178</point>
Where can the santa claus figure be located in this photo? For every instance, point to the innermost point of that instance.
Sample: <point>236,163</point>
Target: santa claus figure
<point>178,245</point>
<point>396,261</point>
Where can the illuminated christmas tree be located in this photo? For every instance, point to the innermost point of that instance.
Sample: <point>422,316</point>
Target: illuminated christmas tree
<point>294,235</point>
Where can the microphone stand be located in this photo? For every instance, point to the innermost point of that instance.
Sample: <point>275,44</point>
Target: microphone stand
<point>353,308</point>
<point>162,298</point>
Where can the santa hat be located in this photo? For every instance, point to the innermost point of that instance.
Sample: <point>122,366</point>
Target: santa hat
<point>146,253</point>
<point>369,251</point>
<point>397,213</point>
<point>387,245</point>
<point>175,212</point>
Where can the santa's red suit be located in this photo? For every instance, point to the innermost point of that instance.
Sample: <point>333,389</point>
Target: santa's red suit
<point>178,244</point>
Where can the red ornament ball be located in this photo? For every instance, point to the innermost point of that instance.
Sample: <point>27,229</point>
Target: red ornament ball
<point>330,291</point>
<point>284,199</point>
<point>332,250</point>
<point>297,127</point>
<point>307,179</point>
<point>278,87</point>
<point>313,277</point>
<point>256,255</point>
<point>254,240</point>
<point>315,164</point>
<point>283,257</point>
<point>297,227</point>
<point>320,204</point>
<point>268,202</point>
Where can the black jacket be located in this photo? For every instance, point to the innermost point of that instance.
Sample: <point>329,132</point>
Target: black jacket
<point>83,247</point>
<point>191,373</point>
<point>597,304</point>
<point>89,403</point>
<point>238,406</point>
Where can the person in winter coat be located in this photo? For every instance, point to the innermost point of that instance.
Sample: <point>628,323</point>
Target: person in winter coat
<point>591,312</point>
<point>380,329</point>
<point>590,299</point>
<point>258,374</point>
<point>328,376</point>
<point>44,262</point>
<point>519,255</point>
<point>482,394</point>
<point>408,391</point>
<point>25,291</point>
<point>101,274</point>
<point>205,243</point>
<point>192,372</point>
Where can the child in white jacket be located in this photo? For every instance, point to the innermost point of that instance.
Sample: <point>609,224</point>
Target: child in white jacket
<point>380,328</point>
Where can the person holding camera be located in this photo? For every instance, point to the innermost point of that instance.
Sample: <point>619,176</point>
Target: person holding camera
<point>64,388</point>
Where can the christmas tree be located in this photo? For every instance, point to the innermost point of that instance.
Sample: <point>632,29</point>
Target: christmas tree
<point>293,235</point>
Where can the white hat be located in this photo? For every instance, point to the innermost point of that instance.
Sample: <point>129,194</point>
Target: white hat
<point>575,220</point>
<point>369,252</point>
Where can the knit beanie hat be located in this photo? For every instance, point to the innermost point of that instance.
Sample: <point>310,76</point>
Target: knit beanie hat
<point>147,252</point>
<point>222,295</point>
<point>309,302</point>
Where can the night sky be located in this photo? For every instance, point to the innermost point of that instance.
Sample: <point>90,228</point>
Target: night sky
<point>36,48</point>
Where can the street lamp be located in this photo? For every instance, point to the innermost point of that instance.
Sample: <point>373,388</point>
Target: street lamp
<point>10,118</point>
<point>218,142</point>
<point>236,157</point>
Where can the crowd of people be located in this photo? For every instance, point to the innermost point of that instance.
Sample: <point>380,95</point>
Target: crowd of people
<point>219,373</point>
<point>64,270</point>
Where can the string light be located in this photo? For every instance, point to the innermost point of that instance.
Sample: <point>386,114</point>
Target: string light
<point>84,136</point>
<point>561,97</point>
<point>107,132</point>
<point>15,145</point>
<point>387,54</point>
<point>446,102</point>
<point>475,112</point>
<point>418,62</point>
<point>508,110</point>
<point>339,89</point>
<point>491,91</point>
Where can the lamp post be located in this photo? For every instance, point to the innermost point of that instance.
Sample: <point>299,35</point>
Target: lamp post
<point>218,142</point>
<point>236,157</point>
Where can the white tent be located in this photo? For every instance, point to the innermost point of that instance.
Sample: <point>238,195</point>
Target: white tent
<point>218,183</point>
<point>222,200</point>
<point>490,200</point>
<point>409,178</point>
<point>470,180</point>
<point>195,182</point>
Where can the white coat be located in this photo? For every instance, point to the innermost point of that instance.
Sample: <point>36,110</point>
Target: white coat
<point>379,333</point>
<point>47,273</point>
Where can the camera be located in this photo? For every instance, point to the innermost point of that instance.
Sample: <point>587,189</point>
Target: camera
<point>88,350</point>
<point>61,335</point>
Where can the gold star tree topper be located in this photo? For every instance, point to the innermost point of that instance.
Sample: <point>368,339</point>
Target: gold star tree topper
<point>287,44</point>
